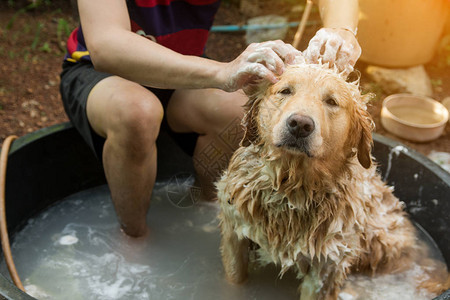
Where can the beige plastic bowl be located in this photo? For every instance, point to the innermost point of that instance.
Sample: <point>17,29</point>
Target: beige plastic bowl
<point>412,117</point>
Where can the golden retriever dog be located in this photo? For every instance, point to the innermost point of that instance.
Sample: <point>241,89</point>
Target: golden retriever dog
<point>303,187</point>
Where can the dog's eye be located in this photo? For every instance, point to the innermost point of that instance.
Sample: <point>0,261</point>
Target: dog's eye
<point>330,101</point>
<point>285,91</point>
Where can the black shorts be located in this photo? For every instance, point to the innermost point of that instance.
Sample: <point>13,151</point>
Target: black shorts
<point>77,81</point>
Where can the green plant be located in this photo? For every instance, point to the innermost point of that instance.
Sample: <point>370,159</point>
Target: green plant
<point>26,28</point>
<point>45,48</point>
<point>436,82</point>
<point>374,90</point>
<point>228,3</point>
<point>62,32</point>
<point>445,48</point>
<point>37,36</point>
<point>26,55</point>
<point>33,5</point>
<point>63,28</point>
<point>16,36</point>
<point>11,21</point>
<point>57,11</point>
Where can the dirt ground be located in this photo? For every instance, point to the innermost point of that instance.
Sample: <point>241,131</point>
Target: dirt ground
<point>32,47</point>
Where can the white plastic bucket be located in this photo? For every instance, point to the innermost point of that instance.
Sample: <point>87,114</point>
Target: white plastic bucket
<point>400,33</point>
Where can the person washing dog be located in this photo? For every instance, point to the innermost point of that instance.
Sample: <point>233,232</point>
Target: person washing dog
<point>133,67</point>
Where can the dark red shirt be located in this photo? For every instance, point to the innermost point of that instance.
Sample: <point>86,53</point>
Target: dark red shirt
<point>180,25</point>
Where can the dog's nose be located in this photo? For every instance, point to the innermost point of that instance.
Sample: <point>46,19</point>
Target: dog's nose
<point>300,126</point>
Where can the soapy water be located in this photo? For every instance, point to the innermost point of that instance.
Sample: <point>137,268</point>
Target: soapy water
<point>390,286</point>
<point>399,285</point>
<point>76,250</point>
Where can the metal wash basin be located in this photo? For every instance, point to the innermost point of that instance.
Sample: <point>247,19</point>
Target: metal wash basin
<point>52,163</point>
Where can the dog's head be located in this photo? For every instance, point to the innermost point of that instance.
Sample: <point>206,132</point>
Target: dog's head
<point>311,111</point>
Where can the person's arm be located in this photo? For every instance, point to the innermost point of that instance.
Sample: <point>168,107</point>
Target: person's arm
<point>339,14</point>
<point>336,43</point>
<point>115,49</point>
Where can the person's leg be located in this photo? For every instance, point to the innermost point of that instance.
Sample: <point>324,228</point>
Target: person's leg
<point>128,116</point>
<point>215,115</point>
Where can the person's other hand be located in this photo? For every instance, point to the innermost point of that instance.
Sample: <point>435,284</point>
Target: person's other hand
<point>335,46</point>
<point>258,62</point>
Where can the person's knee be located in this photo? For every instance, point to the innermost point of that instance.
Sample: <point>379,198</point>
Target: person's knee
<point>230,113</point>
<point>228,109</point>
<point>139,118</point>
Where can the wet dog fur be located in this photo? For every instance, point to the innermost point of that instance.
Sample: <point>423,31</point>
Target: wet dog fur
<point>304,188</point>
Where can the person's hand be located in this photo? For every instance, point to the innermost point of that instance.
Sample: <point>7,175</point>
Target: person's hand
<point>260,61</point>
<point>335,46</point>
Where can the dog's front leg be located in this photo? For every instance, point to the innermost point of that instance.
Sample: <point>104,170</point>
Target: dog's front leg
<point>234,255</point>
<point>320,284</point>
<point>311,285</point>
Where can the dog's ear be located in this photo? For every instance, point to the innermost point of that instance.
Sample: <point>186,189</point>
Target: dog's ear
<point>256,92</point>
<point>249,122</point>
<point>365,140</point>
